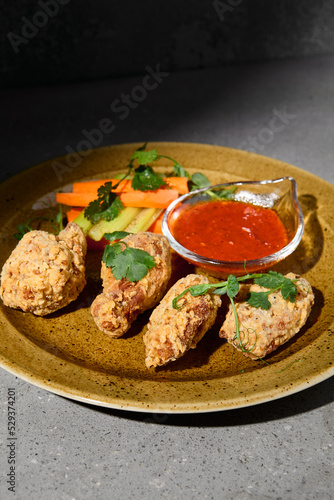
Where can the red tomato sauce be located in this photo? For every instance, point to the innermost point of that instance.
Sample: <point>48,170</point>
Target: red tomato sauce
<point>230,230</point>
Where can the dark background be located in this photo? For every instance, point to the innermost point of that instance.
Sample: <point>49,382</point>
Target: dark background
<point>86,40</point>
<point>229,72</point>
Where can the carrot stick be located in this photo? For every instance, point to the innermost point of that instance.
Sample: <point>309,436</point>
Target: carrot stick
<point>156,227</point>
<point>73,214</point>
<point>75,199</point>
<point>160,198</point>
<point>180,184</point>
<point>93,186</point>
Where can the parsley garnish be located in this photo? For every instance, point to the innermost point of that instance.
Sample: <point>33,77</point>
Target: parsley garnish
<point>146,179</point>
<point>107,206</point>
<point>130,263</point>
<point>197,180</point>
<point>145,157</point>
<point>275,282</point>
<point>272,280</point>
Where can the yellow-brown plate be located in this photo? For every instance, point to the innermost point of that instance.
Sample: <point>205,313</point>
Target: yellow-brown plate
<point>66,354</point>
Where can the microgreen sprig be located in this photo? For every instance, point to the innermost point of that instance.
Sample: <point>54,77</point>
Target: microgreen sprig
<point>54,218</point>
<point>272,280</point>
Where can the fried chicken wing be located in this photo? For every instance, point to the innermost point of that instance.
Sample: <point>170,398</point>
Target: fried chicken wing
<point>121,301</point>
<point>263,331</point>
<point>45,272</point>
<point>172,332</point>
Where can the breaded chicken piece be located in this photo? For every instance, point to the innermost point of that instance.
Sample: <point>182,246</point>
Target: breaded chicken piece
<point>266,330</point>
<point>172,332</point>
<point>121,300</point>
<point>45,272</point>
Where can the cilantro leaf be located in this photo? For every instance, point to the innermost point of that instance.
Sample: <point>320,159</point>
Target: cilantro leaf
<point>270,280</point>
<point>107,206</point>
<point>199,181</point>
<point>109,254</point>
<point>289,290</point>
<point>145,157</point>
<point>275,281</point>
<point>259,300</point>
<point>132,263</point>
<point>145,179</point>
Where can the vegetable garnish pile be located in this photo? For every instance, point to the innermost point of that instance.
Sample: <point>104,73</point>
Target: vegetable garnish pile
<point>133,202</point>
<point>275,282</point>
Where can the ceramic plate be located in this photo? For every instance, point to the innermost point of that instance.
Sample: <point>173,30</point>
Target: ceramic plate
<point>66,354</point>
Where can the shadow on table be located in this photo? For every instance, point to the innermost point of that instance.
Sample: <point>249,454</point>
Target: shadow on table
<point>302,402</point>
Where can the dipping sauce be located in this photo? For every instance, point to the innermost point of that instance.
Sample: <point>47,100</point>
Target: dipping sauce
<point>230,230</point>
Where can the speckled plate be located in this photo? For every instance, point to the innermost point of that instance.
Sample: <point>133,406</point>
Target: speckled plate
<point>66,354</point>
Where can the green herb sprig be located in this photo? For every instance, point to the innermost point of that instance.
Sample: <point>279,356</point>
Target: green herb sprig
<point>54,218</point>
<point>197,180</point>
<point>130,263</point>
<point>272,280</point>
<point>146,179</point>
<point>107,206</point>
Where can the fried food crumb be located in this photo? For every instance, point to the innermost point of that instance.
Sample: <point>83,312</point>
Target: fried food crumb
<point>121,301</point>
<point>45,272</point>
<point>263,331</point>
<point>172,332</point>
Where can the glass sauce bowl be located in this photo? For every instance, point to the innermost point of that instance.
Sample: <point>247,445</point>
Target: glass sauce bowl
<point>279,195</point>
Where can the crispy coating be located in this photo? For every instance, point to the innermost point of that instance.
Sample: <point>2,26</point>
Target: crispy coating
<point>266,330</point>
<point>121,301</point>
<point>45,272</point>
<point>172,332</point>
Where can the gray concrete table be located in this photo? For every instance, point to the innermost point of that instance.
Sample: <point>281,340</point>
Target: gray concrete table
<point>277,450</point>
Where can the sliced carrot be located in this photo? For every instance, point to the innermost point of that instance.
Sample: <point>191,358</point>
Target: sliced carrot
<point>160,198</point>
<point>75,199</point>
<point>156,227</point>
<point>73,214</point>
<point>93,186</point>
<point>180,184</point>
